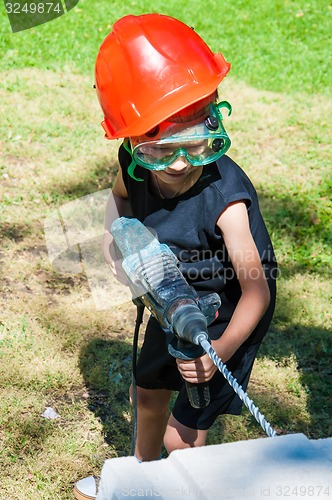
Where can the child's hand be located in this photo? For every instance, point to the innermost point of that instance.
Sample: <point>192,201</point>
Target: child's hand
<point>198,370</point>
<point>113,259</point>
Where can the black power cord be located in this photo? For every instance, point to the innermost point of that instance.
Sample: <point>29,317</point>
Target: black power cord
<point>138,322</point>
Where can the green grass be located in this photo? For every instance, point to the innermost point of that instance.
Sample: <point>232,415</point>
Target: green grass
<point>272,45</point>
<point>56,349</point>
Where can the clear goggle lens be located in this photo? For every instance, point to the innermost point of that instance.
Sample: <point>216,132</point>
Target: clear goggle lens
<point>200,144</point>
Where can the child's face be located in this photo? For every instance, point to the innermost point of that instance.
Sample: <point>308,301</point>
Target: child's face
<point>178,172</point>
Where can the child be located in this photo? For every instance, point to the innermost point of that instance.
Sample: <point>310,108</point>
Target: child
<point>157,82</point>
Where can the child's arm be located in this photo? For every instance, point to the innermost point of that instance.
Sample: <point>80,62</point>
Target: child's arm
<point>117,206</point>
<point>119,198</point>
<point>255,298</point>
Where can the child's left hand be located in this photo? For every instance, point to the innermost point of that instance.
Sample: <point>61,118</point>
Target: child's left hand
<point>198,370</point>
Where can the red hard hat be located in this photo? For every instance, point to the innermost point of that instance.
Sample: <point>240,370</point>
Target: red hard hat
<point>149,68</point>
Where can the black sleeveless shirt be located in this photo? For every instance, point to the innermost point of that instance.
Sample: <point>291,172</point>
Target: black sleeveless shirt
<point>187,224</point>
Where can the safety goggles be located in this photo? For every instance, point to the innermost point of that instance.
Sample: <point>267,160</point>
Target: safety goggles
<point>200,143</point>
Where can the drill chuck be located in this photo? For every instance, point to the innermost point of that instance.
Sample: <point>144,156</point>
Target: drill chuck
<point>189,323</point>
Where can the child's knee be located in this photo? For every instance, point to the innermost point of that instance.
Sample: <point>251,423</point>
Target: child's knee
<point>178,436</point>
<point>149,401</point>
<point>172,441</point>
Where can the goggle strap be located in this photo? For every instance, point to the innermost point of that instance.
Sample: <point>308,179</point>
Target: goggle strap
<point>224,104</point>
<point>133,164</point>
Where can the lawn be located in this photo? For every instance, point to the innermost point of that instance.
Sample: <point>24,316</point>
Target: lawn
<point>57,349</point>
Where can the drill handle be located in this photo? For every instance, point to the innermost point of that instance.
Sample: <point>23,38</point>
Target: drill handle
<point>198,394</point>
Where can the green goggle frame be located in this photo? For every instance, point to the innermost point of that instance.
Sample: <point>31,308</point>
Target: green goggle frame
<point>210,132</point>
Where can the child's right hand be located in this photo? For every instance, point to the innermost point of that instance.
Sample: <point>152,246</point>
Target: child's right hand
<point>113,259</point>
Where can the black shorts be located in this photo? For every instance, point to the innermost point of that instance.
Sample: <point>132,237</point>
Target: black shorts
<point>157,369</point>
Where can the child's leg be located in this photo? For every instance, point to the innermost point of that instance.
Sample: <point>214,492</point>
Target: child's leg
<point>152,415</point>
<point>178,436</point>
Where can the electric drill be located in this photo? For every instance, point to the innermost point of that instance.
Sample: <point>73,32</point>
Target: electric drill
<point>156,281</point>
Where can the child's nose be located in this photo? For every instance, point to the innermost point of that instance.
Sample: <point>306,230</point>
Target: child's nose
<point>179,164</point>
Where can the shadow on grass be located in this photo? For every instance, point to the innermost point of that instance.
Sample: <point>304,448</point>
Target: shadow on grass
<point>14,232</point>
<point>106,368</point>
